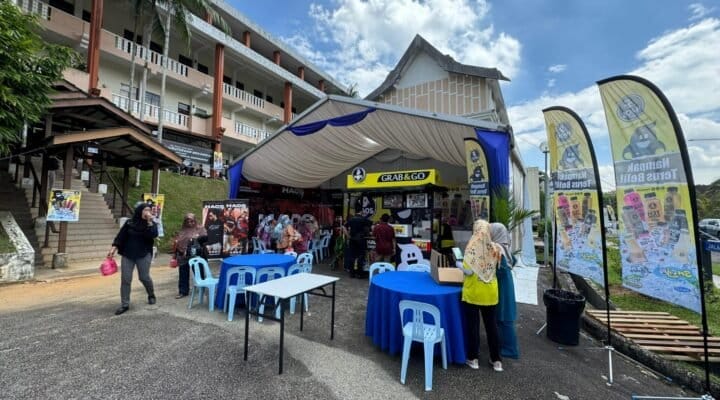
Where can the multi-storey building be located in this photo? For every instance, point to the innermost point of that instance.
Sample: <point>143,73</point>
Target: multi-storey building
<point>224,92</point>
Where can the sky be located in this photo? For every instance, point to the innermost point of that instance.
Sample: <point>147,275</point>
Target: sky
<point>552,50</point>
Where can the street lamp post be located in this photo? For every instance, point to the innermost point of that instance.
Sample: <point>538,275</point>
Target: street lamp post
<point>544,148</point>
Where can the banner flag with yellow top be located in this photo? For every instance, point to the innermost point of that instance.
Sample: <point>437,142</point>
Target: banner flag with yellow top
<point>478,179</point>
<point>655,193</point>
<point>576,196</point>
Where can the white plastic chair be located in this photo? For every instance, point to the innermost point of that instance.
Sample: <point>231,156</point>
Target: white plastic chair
<point>421,267</point>
<point>419,331</point>
<point>259,246</point>
<point>209,282</point>
<point>269,273</point>
<point>379,268</point>
<point>305,258</point>
<point>325,246</point>
<point>298,269</point>
<point>314,248</point>
<point>232,290</point>
<point>291,253</point>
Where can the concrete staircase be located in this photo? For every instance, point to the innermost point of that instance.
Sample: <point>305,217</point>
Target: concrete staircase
<point>13,199</point>
<point>88,239</point>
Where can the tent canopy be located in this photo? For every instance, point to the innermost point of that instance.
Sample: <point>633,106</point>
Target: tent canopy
<point>338,133</point>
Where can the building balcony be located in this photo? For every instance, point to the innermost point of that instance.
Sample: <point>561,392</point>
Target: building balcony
<point>152,112</point>
<point>34,7</point>
<point>143,53</point>
<point>251,102</point>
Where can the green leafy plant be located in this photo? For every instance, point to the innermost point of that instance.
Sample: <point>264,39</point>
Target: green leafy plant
<point>30,66</point>
<point>506,210</point>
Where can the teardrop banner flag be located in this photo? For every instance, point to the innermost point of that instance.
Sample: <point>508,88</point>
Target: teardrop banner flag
<point>655,193</point>
<point>478,179</point>
<point>576,197</point>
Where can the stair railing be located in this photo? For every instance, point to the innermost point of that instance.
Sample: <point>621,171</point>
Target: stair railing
<point>99,175</point>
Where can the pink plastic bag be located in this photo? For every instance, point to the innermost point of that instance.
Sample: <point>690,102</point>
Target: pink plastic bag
<point>108,267</point>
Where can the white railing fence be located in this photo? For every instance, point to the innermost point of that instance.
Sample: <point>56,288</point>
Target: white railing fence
<point>148,55</point>
<point>243,96</point>
<point>34,7</point>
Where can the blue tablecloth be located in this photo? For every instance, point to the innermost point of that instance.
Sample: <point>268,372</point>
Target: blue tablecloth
<point>256,261</point>
<point>382,319</point>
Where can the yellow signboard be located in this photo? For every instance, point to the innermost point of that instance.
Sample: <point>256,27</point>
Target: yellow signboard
<point>359,179</point>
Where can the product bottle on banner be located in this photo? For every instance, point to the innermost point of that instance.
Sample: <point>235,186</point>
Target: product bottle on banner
<point>672,202</point>
<point>562,201</point>
<point>575,208</point>
<point>585,204</point>
<point>632,198</point>
<point>678,223</point>
<point>567,245</point>
<point>593,238</point>
<point>681,252</point>
<point>590,220</point>
<point>483,209</point>
<point>564,219</point>
<point>636,253</point>
<point>632,221</point>
<point>654,210</point>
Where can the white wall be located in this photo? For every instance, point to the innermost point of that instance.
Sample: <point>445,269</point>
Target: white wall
<point>421,69</point>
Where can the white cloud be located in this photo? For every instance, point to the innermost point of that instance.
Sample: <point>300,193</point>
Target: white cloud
<point>679,63</point>
<point>699,11</point>
<point>365,39</point>
<point>551,83</point>
<point>557,68</point>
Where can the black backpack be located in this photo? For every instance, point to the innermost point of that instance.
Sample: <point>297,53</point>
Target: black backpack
<point>195,249</point>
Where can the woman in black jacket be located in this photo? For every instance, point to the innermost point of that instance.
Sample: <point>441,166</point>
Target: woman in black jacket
<point>134,242</point>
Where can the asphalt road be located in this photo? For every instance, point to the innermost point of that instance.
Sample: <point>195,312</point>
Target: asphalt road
<point>60,340</point>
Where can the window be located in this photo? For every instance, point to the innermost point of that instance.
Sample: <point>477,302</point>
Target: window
<point>183,108</point>
<point>63,5</point>
<point>156,47</point>
<point>203,68</point>
<point>185,61</point>
<point>129,36</point>
<point>86,16</point>
<point>282,104</point>
<point>240,85</point>
<point>152,99</point>
<point>227,79</point>
<point>293,110</point>
<point>125,91</point>
<point>258,93</point>
<point>268,98</point>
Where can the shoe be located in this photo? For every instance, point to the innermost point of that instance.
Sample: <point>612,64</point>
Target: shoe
<point>472,363</point>
<point>121,310</point>
<point>497,366</point>
<point>180,296</point>
<point>151,299</point>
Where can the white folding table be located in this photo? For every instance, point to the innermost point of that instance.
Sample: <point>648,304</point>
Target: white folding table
<point>284,289</point>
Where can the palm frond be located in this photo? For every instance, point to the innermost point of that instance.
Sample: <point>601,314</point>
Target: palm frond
<point>506,210</point>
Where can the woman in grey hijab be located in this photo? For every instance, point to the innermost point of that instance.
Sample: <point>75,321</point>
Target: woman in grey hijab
<point>506,308</point>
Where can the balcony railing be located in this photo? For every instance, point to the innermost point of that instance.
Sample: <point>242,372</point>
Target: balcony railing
<point>148,55</point>
<point>250,131</point>
<point>151,111</point>
<point>34,7</point>
<point>243,96</point>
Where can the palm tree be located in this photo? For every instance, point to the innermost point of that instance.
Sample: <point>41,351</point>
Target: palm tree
<point>506,210</point>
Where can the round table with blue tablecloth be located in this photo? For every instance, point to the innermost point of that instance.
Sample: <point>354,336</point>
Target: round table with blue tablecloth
<point>382,318</point>
<point>256,261</point>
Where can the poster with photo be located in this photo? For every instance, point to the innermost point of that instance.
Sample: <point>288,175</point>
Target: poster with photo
<point>236,228</point>
<point>64,205</point>
<point>394,200</point>
<point>417,200</point>
<point>157,204</point>
<point>212,220</point>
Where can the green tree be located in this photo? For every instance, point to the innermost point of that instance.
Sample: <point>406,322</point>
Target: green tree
<point>29,68</point>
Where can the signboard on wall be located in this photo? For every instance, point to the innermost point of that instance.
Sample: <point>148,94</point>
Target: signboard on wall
<point>189,152</point>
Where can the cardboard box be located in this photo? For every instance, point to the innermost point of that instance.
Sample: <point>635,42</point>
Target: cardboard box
<point>442,272</point>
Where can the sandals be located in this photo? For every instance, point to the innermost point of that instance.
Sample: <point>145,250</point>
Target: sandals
<point>180,296</point>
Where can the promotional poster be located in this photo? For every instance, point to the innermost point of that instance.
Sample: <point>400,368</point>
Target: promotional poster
<point>157,204</point>
<point>236,227</point>
<point>576,203</point>
<point>64,205</point>
<point>478,179</point>
<point>212,216</point>
<point>655,214</point>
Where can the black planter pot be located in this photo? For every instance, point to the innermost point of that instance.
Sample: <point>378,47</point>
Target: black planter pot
<point>563,315</point>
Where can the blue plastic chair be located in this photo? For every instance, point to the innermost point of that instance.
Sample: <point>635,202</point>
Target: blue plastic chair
<point>299,269</point>
<point>209,282</point>
<point>232,290</point>
<point>419,331</point>
<point>379,268</point>
<point>305,258</point>
<point>264,275</point>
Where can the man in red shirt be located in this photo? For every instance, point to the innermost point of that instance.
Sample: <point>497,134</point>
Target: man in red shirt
<point>384,240</point>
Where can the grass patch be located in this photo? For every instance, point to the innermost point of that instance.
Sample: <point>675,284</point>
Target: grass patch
<point>6,245</point>
<point>183,194</point>
<point>716,269</point>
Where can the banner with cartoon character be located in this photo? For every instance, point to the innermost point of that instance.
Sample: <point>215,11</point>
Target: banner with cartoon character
<point>655,193</point>
<point>478,179</point>
<point>212,220</point>
<point>64,205</point>
<point>236,227</point>
<point>579,245</point>
<point>157,204</point>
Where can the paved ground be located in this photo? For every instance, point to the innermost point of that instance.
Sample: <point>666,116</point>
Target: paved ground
<point>60,339</point>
